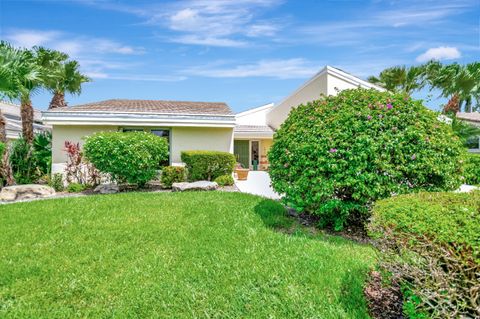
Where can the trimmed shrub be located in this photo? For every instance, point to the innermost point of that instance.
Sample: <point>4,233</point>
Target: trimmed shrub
<point>471,169</point>
<point>224,180</point>
<point>207,165</point>
<point>172,174</point>
<point>75,188</point>
<point>132,157</point>
<point>430,243</point>
<point>56,182</point>
<point>337,155</point>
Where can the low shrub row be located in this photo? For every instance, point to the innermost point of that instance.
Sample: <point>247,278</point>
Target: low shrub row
<point>430,243</point>
<point>207,165</point>
<point>471,169</point>
<point>132,157</point>
<point>224,180</point>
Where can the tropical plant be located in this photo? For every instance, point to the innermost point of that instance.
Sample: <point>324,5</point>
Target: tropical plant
<point>466,132</point>
<point>59,75</point>
<point>132,157</point>
<point>56,182</point>
<point>78,169</point>
<point>22,77</point>
<point>459,83</point>
<point>335,156</point>
<point>400,79</point>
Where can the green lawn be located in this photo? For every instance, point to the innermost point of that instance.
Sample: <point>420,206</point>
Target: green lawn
<point>173,255</point>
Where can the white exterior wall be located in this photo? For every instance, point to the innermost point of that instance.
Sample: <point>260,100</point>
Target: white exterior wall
<point>256,116</point>
<point>308,92</point>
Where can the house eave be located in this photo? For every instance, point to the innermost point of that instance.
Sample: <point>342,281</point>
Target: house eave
<point>137,119</point>
<point>253,135</point>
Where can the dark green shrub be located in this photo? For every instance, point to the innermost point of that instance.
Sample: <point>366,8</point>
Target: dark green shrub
<point>75,188</point>
<point>208,165</point>
<point>31,162</point>
<point>224,180</point>
<point>132,157</point>
<point>56,182</point>
<point>337,155</point>
<point>430,242</point>
<point>172,174</point>
<point>471,169</point>
<point>2,148</point>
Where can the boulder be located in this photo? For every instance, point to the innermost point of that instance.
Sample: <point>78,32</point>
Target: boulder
<point>107,189</point>
<point>195,186</point>
<point>29,191</point>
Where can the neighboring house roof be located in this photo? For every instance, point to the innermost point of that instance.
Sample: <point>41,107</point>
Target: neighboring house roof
<point>144,113</point>
<point>152,106</point>
<point>471,117</point>
<point>11,112</point>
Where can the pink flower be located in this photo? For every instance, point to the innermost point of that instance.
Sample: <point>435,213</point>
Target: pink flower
<point>389,106</point>
<point>369,117</point>
<point>333,150</point>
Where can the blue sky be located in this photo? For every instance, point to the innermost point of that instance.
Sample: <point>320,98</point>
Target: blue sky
<point>242,52</point>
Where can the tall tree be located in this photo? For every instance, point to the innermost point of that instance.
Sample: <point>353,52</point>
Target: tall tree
<point>400,79</point>
<point>22,78</point>
<point>459,83</point>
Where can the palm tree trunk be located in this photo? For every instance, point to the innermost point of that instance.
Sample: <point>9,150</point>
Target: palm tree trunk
<point>58,100</point>
<point>27,119</point>
<point>5,168</point>
<point>453,105</point>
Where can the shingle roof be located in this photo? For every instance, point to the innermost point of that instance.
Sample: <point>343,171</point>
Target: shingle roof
<point>253,128</point>
<point>473,116</point>
<point>152,106</point>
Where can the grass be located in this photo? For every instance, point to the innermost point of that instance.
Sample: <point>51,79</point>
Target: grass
<point>173,255</point>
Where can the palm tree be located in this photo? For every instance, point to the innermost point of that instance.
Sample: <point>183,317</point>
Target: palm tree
<point>59,75</point>
<point>460,84</point>
<point>400,79</point>
<point>66,79</point>
<point>21,78</point>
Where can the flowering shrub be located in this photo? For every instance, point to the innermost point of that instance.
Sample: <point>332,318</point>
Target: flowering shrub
<point>132,157</point>
<point>335,156</point>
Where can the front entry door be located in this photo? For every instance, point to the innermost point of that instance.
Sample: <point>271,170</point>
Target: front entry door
<point>241,151</point>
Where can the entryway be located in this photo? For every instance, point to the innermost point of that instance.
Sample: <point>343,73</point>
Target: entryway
<point>247,153</point>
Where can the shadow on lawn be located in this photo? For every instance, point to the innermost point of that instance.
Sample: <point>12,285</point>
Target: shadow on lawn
<point>275,217</point>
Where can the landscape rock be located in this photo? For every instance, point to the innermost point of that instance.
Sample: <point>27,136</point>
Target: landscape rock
<point>107,189</point>
<point>195,186</point>
<point>29,191</point>
<point>466,188</point>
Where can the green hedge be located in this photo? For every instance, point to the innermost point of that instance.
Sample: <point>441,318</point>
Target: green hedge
<point>172,174</point>
<point>471,169</point>
<point>207,165</point>
<point>431,242</point>
<point>335,156</point>
<point>132,157</point>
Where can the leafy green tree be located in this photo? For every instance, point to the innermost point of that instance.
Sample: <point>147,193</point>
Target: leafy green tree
<point>400,79</point>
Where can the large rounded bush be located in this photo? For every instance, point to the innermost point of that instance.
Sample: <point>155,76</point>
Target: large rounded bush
<point>335,156</point>
<point>132,157</point>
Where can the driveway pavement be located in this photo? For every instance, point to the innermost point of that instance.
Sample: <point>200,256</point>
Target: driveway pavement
<point>258,183</point>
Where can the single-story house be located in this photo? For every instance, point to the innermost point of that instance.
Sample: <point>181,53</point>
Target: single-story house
<point>11,112</point>
<point>193,125</point>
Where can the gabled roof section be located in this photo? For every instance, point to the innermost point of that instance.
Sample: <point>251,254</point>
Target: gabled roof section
<point>151,107</point>
<point>255,109</point>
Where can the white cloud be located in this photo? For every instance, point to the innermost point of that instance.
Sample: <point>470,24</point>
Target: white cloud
<point>440,53</point>
<point>280,69</point>
<point>30,38</point>
<point>209,41</point>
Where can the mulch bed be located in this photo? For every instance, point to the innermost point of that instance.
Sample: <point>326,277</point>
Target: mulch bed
<point>384,302</point>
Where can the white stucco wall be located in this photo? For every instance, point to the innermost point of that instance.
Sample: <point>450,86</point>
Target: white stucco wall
<point>309,92</point>
<point>255,116</point>
<point>199,138</point>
